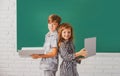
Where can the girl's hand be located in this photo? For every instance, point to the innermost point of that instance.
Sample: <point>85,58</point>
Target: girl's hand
<point>35,56</point>
<point>83,52</point>
<point>81,58</point>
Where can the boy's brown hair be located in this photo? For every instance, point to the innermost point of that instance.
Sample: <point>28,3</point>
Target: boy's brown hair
<point>61,28</point>
<point>55,18</point>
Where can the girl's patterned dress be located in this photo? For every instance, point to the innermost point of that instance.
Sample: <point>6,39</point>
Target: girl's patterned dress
<point>68,65</point>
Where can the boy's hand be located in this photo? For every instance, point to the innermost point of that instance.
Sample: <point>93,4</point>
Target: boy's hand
<point>35,56</point>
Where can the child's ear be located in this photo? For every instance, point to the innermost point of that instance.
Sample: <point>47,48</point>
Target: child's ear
<point>58,44</point>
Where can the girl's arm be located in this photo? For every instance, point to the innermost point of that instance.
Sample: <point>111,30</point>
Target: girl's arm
<point>82,52</point>
<point>64,53</point>
<point>71,57</point>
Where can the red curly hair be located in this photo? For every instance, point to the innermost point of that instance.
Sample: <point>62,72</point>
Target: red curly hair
<point>61,28</point>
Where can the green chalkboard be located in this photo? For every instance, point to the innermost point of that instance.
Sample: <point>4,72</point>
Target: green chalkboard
<point>89,18</point>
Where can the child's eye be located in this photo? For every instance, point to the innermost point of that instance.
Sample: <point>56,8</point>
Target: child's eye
<point>54,24</point>
<point>68,32</point>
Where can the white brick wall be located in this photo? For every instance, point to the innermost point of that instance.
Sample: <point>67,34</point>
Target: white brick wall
<point>103,64</point>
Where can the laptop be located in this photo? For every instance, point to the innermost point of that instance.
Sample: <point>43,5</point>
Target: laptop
<point>90,46</point>
<point>27,51</point>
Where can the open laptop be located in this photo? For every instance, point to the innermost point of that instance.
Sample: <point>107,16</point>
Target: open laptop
<point>27,51</point>
<point>90,46</point>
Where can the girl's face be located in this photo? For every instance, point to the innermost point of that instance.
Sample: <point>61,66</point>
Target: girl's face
<point>66,34</point>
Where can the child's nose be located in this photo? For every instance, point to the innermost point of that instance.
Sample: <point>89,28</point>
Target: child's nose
<point>50,25</point>
<point>66,34</point>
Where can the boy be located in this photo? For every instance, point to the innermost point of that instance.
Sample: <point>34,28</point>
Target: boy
<point>49,61</point>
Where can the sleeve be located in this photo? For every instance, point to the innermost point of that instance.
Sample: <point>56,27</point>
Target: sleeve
<point>44,41</point>
<point>65,55</point>
<point>54,41</point>
<point>77,60</point>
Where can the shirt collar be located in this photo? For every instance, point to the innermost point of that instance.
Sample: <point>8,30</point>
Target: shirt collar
<point>52,33</point>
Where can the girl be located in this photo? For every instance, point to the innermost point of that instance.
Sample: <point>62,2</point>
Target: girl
<point>67,51</point>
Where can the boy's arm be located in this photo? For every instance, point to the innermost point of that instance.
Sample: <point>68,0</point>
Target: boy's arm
<point>54,51</point>
<point>48,55</point>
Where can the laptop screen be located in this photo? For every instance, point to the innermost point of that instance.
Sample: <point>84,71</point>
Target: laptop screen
<point>90,46</point>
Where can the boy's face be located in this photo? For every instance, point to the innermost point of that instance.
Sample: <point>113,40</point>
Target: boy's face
<point>66,34</point>
<point>52,26</point>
